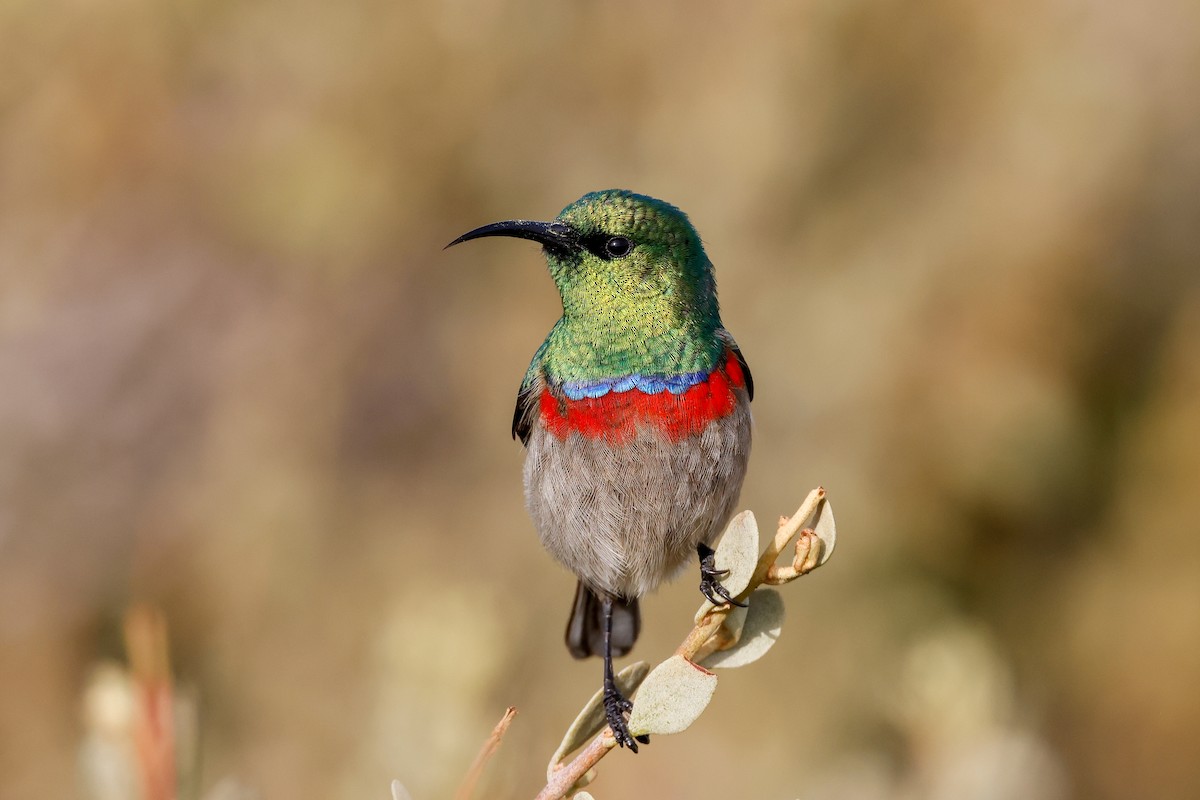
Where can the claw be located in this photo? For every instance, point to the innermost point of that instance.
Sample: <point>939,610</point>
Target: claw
<point>615,708</point>
<point>709,588</point>
<point>710,579</point>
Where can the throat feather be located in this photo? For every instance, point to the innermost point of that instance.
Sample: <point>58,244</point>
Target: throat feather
<point>677,406</point>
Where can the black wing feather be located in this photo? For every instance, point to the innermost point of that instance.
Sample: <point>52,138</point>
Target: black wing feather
<point>745,369</point>
<point>522,417</point>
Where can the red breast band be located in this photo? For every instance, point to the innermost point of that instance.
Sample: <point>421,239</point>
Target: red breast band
<point>616,416</point>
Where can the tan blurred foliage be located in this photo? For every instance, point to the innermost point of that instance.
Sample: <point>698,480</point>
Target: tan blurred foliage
<point>959,243</point>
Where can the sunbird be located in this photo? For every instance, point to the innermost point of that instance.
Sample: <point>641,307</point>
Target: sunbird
<point>634,414</point>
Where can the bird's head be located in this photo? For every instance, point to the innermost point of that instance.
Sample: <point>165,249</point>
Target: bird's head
<point>615,254</point>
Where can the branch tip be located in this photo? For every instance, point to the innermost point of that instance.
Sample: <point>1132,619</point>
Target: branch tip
<point>485,753</point>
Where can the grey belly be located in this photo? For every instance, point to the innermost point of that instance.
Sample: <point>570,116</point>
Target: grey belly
<point>624,518</point>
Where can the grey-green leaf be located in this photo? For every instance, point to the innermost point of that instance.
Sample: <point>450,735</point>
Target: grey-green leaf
<point>823,526</point>
<point>764,622</point>
<point>671,698</point>
<point>591,719</point>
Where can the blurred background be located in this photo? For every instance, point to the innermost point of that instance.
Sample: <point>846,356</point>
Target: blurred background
<point>241,383</point>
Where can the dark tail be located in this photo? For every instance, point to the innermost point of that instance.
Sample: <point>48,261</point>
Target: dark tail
<point>585,628</point>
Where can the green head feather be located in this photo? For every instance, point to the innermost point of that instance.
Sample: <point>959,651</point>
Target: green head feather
<point>638,292</point>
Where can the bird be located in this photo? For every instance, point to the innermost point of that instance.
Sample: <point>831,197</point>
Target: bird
<point>634,414</point>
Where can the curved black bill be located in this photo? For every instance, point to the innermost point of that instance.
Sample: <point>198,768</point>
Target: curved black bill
<point>554,235</point>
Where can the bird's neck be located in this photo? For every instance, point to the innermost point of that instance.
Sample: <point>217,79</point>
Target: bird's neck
<point>596,346</point>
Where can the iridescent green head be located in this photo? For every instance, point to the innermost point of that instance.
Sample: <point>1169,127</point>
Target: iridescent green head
<point>631,248</point>
<point>637,289</point>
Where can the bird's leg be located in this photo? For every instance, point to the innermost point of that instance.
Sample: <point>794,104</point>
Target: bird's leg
<point>710,578</point>
<point>615,704</point>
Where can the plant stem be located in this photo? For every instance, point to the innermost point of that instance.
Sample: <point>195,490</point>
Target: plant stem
<point>569,775</point>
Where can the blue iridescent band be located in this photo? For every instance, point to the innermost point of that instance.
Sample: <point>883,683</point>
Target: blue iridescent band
<point>647,384</point>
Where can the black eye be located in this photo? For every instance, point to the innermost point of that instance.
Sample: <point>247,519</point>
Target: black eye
<point>618,246</point>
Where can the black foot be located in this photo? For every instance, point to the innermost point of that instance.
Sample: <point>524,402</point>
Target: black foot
<point>710,578</point>
<point>615,709</point>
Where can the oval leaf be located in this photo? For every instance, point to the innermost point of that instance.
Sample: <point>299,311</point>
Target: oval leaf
<point>591,720</point>
<point>738,553</point>
<point>672,697</point>
<point>764,622</point>
<point>822,525</point>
